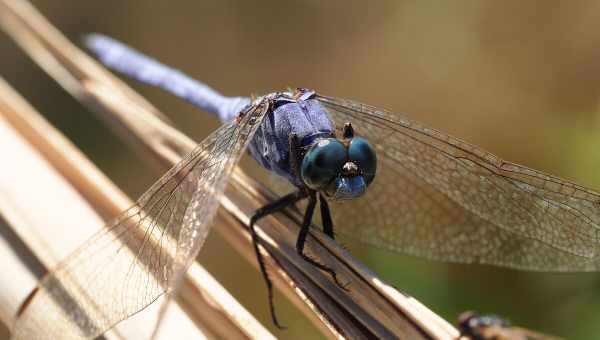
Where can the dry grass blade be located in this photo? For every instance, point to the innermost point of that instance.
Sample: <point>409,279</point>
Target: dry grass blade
<point>39,235</point>
<point>221,317</point>
<point>370,308</point>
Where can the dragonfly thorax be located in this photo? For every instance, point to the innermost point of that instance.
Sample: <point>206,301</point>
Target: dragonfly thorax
<point>340,168</point>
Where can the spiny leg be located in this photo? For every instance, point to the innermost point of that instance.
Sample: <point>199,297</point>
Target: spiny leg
<point>260,213</point>
<point>326,217</point>
<point>310,209</point>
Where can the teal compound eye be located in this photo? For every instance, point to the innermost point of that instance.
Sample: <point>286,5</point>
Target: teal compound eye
<point>363,154</point>
<point>322,163</point>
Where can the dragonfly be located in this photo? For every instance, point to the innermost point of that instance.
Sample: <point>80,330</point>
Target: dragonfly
<point>405,187</point>
<point>477,326</point>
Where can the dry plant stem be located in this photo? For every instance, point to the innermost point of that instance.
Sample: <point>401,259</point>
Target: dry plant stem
<point>370,308</point>
<point>25,223</point>
<point>13,258</point>
<point>214,308</point>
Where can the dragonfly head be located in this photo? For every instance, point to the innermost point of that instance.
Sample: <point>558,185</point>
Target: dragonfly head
<point>340,168</point>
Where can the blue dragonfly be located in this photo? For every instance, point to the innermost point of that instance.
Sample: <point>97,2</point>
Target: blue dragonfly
<point>406,188</point>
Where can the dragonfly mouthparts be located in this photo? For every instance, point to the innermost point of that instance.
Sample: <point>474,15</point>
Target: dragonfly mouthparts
<point>350,169</point>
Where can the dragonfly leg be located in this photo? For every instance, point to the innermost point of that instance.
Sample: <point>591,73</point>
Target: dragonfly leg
<point>260,213</point>
<point>310,209</point>
<point>326,217</point>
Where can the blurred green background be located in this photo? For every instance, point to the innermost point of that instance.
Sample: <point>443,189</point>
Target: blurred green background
<point>521,79</point>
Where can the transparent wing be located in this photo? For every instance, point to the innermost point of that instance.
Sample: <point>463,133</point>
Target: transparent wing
<point>438,197</point>
<point>145,251</point>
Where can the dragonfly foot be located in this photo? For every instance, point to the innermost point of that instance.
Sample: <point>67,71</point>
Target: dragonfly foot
<point>326,269</point>
<point>273,315</point>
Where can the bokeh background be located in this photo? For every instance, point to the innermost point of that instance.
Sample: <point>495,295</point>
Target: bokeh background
<point>521,79</point>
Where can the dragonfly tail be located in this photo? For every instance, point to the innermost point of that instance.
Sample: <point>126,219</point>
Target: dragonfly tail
<point>140,67</point>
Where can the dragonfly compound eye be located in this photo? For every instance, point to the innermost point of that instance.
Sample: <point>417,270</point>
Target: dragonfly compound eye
<point>362,153</point>
<point>322,163</point>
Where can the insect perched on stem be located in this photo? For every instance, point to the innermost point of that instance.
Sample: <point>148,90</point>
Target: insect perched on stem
<point>406,188</point>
